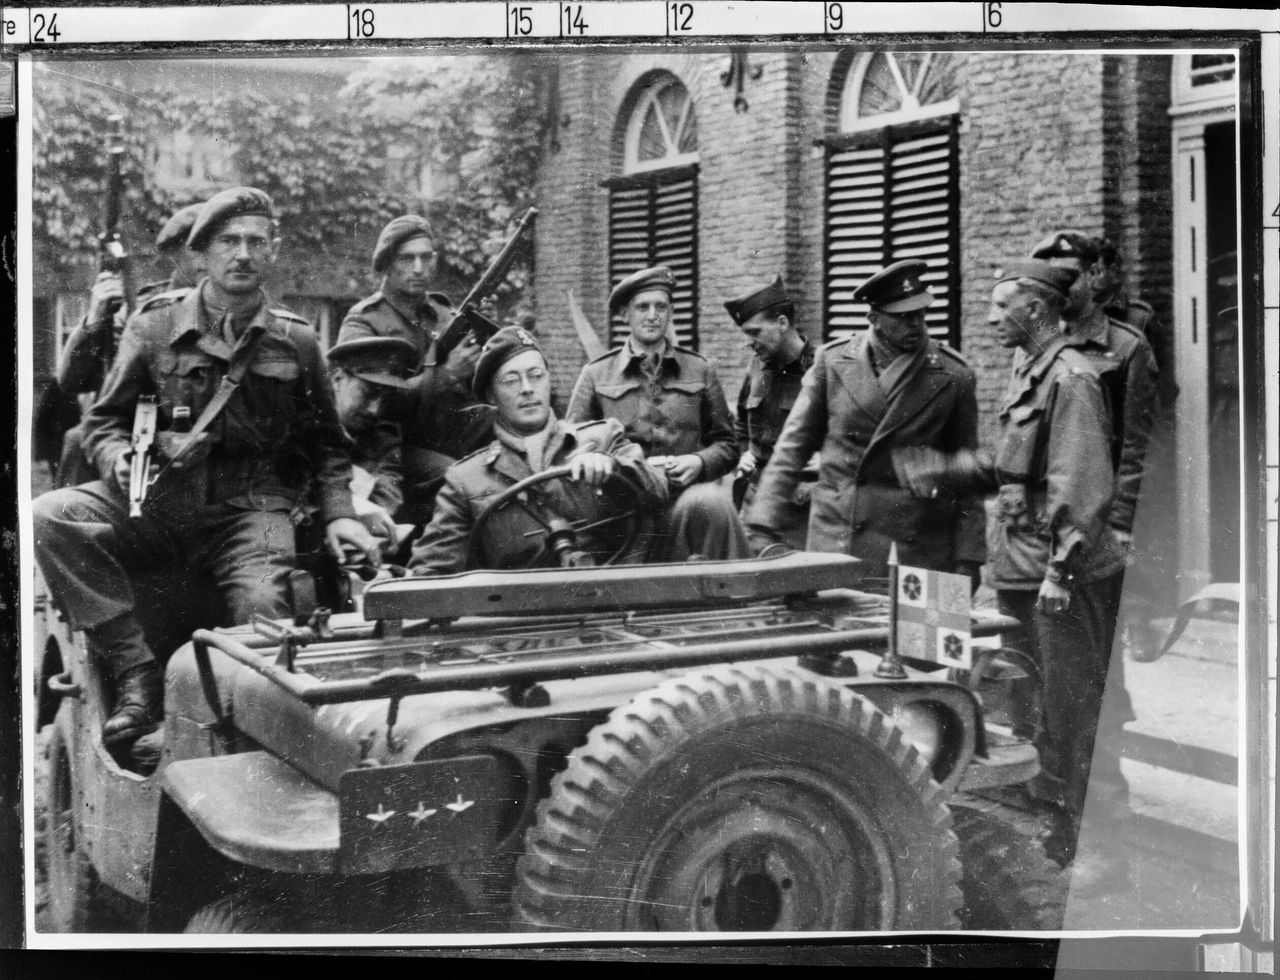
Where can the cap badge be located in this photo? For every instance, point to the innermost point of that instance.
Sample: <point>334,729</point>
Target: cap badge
<point>525,339</point>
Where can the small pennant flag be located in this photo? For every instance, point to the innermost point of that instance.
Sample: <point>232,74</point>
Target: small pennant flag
<point>934,617</point>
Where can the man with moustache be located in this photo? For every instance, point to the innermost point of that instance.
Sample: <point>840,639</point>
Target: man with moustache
<point>863,397</point>
<point>671,404</point>
<point>1057,562</point>
<point>512,374</point>
<point>265,433</point>
<point>440,417</point>
<point>781,356</point>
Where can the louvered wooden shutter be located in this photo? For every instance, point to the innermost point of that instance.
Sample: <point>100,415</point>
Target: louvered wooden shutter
<point>894,194</point>
<point>653,220</point>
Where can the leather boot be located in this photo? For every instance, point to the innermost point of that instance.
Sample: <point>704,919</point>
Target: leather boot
<point>139,705</point>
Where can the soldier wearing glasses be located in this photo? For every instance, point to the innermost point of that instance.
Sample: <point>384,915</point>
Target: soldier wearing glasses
<point>512,374</point>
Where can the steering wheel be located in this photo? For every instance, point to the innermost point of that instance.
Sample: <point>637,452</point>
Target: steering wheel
<point>559,533</point>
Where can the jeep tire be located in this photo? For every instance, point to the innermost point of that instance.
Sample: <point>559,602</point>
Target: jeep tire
<point>72,882</point>
<point>1007,882</point>
<point>742,799</point>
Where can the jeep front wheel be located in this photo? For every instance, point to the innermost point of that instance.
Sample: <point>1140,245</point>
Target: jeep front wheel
<point>72,882</point>
<point>743,800</point>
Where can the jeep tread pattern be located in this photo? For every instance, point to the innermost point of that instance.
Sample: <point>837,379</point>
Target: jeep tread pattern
<point>1007,882</point>
<point>607,776</point>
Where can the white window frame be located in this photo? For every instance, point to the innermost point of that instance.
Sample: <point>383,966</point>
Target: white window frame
<point>631,162</point>
<point>851,98</point>
<point>1188,97</point>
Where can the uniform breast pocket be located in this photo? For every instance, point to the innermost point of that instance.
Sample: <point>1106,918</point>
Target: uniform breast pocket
<point>191,378</point>
<point>612,394</point>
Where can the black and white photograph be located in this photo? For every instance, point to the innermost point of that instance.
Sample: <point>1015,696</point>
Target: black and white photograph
<point>724,487</point>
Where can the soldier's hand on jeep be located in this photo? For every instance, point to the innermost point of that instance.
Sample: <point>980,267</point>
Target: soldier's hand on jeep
<point>172,444</point>
<point>683,470</point>
<point>747,463</point>
<point>591,468</point>
<point>377,519</point>
<point>348,530</point>
<point>1053,599</point>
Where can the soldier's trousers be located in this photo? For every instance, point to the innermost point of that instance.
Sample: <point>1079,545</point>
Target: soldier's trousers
<point>1078,755</point>
<point>74,467</point>
<point>703,522</point>
<point>88,549</point>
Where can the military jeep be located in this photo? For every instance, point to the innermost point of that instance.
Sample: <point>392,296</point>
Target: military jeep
<point>708,746</point>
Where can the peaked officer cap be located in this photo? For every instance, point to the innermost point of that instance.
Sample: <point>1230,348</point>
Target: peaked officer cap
<point>379,360</point>
<point>1056,277</point>
<point>897,288</point>
<point>761,300</point>
<point>498,349</point>
<point>396,233</point>
<point>655,277</point>
<point>1068,243</point>
<point>176,230</point>
<point>234,202</point>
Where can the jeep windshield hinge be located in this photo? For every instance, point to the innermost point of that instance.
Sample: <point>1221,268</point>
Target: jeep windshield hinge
<point>289,638</point>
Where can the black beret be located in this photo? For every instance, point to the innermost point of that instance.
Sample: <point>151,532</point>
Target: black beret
<point>1068,243</point>
<point>223,206</point>
<point>655,277</point>
<point>761,300</point>
<point>379,360</point>
<point>396,233</point>
<point>1056,277</point>
<point>176,230</point>
<point>897,288</point>
<point>498,349</point>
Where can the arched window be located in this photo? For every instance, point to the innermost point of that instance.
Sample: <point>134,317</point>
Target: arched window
<point>892,182</point>
<point>653,204</point>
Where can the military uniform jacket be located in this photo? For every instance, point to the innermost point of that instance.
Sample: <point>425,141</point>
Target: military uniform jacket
<point>472,483</point>
<point>857,506</point>
<point>277,435</point>
<point>1053,469</point>
<point>765,401</point>
<point>1125,363</point>
<point>440,413</point>
<point>379,453</point>
<point>681,411</point>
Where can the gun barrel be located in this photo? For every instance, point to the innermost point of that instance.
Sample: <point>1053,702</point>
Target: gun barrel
<point>501,263</point>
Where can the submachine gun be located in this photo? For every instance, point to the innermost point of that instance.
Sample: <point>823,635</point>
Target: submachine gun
<point>112,255</point>
<point>467,318</point>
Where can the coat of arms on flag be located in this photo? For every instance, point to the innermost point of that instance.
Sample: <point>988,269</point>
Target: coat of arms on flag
<point>934,617</point>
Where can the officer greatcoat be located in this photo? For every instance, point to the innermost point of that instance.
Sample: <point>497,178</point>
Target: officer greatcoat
<point>857,506</point>
<point>678,411</point>
<point>472,483</point>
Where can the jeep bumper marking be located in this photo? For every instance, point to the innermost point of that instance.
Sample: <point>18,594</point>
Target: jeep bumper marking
<point>424,813</point>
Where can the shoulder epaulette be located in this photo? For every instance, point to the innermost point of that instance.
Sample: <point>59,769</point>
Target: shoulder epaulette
<point>154,300</point>
<point>685,350</point>
<point>1127,328</point>
<point>832,344</point>
<point>1143,305</point>
<point>954,354</point>
<point>284,314</point>
<point>607,354</point>
<point>361,305</point>
<point>494,448</point>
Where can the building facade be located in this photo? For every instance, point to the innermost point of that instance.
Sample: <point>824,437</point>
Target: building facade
<point>824,165</point>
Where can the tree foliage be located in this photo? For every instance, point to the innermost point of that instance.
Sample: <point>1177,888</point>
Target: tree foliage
<point>475,121</point>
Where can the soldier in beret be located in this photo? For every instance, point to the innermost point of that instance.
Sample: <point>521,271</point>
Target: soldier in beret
<point>440,417</point>
<point>227,502</point>
<point>85,358</point>
<point>864,396</point>
<point>671,404</point>
<point>781,356</point>
<point>1058,561</point>
<point>512,375</point>
<point>367,375</point>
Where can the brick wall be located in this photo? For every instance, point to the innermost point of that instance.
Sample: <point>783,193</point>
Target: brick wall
<point>1048,139</point>
<point>748,192</point>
